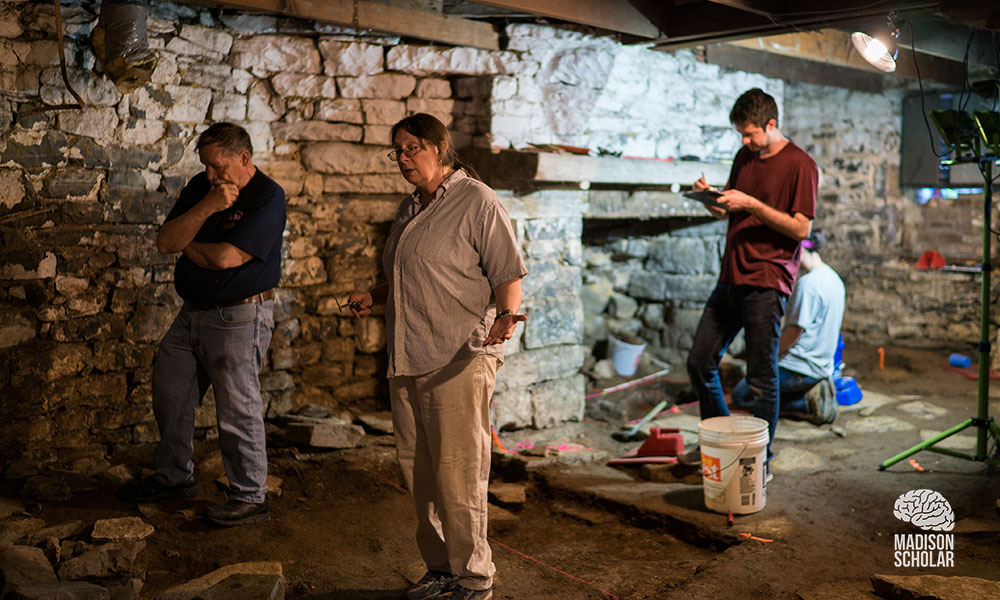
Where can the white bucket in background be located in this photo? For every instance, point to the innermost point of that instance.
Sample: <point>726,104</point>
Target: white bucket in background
<point>625,356</point>
<point>733,453</point>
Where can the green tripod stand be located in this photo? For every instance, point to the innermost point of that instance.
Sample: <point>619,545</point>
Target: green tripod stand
<point>983,422</point>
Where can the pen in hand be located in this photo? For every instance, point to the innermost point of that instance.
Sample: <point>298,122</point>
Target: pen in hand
<point>705,179</point>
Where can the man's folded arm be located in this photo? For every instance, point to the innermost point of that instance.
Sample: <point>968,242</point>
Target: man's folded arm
<point>218,256</point>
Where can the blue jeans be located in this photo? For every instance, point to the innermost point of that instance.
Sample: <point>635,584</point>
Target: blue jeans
<point>792,388</point>
<point>223,347</point>
<point>730,308</point>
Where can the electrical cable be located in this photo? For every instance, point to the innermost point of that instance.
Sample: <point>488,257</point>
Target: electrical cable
<point>920,84</point>
<point>966,94</point>
<point>837,11</point>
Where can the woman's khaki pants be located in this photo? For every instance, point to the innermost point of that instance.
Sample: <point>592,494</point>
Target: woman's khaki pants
<point>442,426</point>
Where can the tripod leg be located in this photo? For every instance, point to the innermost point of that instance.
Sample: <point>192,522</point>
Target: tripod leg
<point>925,444</point>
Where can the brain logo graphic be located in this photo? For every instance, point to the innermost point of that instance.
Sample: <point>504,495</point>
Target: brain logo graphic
<point>926,509</point>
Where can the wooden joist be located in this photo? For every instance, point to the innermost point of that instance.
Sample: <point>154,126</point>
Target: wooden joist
<point>824,57</point>
<point>613,15</point>
<point>703,22</point>
<point>376,16</point>
<point>520,171</point>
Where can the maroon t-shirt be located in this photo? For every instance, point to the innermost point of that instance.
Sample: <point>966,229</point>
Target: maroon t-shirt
<point>756,254</point>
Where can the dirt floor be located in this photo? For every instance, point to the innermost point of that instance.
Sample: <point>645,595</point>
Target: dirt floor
<point>342,527</point>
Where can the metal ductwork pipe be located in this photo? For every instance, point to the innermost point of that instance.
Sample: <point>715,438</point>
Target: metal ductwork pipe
<point>121,45</point>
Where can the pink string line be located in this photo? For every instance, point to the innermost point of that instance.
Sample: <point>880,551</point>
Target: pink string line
<point>499,543</point>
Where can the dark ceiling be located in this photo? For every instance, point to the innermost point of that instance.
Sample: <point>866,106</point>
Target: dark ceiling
<point>947,35</point>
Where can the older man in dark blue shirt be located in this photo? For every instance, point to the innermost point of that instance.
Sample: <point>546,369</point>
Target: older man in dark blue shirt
<point>227,225</point>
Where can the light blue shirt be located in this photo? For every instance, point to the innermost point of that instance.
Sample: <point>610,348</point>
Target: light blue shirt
<point>817,306</point>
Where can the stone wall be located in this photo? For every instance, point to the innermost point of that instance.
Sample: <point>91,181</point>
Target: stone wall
<point>652,281</point>
<point>85,297</point>
<point>878,230</point>
<point>540,384</point>
<point>582,90</point>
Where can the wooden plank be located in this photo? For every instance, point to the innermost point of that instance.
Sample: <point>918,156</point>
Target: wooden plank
<point>380,17</point>
<point>606,170</point>
<point>835,47</point>
<point>520,171</point>
<point>793,69</point>
<point>613,15</point>
<point>758,7</point>
<point>706,22</point>
<point>832,49</point>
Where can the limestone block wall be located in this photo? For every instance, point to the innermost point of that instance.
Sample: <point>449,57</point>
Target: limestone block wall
<point>582,90</point>
<point>84,296</point>
<point>652,281</point>
<point>540,384</point>
<point>878,230</point>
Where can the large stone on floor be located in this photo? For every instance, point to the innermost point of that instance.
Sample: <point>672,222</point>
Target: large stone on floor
<point>240,587</point>
<point>122,529</point>
<point>380,422</point>
<point>46,489</point>
<point>94,563</point>
<point>324,435</point>
<point>878,424</point>
<point>923,410</point>
<point>796,461</point>
<point>222,580</point>
<point>61,590</point>
<point>23,565</point>
<point>934,587</point>
<point>508,495</point>
<point>12,530</point>
<point>61,531</point>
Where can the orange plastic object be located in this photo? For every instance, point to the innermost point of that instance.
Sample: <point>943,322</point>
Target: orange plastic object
<point>930,259</point>
<point>497,442</point>
<point>881,357</point>
<point>662,441</point>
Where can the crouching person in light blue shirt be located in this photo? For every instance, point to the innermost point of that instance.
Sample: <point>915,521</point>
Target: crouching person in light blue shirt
<point>808,341</point>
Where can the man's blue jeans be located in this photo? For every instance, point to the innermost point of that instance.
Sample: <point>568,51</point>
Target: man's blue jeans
<point>792,388</point>
<point>223,347</point>
<point>730,308</point>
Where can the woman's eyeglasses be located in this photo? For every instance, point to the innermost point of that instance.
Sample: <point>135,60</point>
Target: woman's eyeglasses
<point>409,151</point>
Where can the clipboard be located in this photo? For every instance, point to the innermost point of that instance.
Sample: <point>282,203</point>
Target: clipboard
<point>708,197</point>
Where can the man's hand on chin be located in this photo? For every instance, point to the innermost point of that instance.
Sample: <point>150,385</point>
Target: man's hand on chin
<point>222,196</point>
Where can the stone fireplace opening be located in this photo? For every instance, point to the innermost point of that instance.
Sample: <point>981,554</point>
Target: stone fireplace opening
<point>647,278</point>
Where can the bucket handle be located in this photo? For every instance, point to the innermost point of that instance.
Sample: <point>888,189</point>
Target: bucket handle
<point>733,462</point>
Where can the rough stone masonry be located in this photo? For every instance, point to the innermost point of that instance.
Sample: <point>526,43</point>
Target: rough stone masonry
<point>85,297</point>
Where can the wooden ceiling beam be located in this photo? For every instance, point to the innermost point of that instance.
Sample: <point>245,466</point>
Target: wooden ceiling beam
<point>612,15</point>
<point>708,22</point>
<point>792,69</point>
<point>365,14</point>
<point>826,57</point>
<point>761,8</point>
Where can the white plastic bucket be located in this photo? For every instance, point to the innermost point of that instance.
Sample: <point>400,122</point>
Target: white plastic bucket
<point>624,356</point>
<point>733,453</point>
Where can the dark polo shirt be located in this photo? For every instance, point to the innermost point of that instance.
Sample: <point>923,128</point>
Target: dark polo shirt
<point>756,254</point>
<point>254,223</point>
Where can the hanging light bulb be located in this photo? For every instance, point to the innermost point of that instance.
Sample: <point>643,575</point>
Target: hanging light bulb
<point>879,54</point>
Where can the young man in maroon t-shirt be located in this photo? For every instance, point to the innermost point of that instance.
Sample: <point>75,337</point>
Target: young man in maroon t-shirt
<point>770,201</point>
